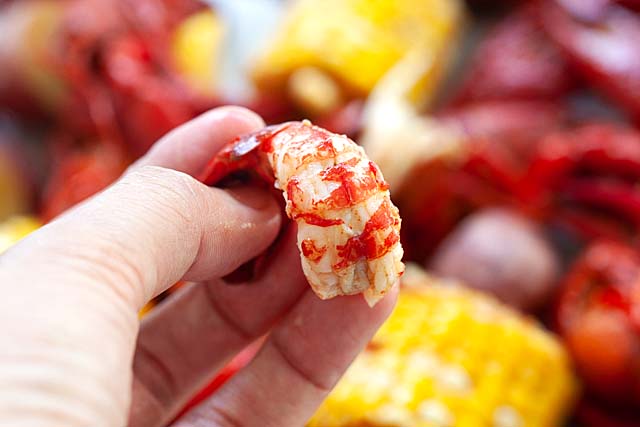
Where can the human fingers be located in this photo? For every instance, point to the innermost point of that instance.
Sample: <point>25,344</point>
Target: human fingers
<point>190,337</point>
<point>301,361</point>
<point>189,147</point>
<point>93,269</point>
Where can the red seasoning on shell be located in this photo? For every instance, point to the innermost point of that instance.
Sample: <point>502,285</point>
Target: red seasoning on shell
<point>348,228</point>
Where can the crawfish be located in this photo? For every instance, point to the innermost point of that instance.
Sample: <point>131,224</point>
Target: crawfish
<point>598,317</point>
<point>348,229</point>
<point>102,69</point>
<point>588,178</point>
<point>80,172</point>
<point>516,60</point>
<point>496,141</point>
<point>601,40</point>
<point>116,60</point>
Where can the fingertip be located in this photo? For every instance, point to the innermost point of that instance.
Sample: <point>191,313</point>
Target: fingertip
<point>243,116</point>
<point>381,308</point>
<point>189,147</point>
<point>303,359</point>
<point>377,313</point>
<point>239,224</point>
<point>257,212</point>
<point>388,303</point>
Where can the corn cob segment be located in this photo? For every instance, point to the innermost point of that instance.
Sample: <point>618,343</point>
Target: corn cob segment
<point>195,49</point>
<point>357,41</point>
<point>449,356</point>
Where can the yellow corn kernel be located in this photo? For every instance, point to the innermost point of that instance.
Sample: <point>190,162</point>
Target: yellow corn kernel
<point>15,228</point>
<point>195,48</point>
<point>357,41</point>
<point>14,190</point>
<point>497,368</point>
<point>314,90</point>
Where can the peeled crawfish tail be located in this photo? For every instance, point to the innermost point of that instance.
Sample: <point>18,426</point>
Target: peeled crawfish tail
<point>348,229</point>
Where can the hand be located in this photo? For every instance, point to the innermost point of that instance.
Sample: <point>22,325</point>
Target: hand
<point>72,290</point>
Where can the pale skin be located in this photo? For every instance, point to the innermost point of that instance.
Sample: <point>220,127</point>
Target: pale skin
<point>73,351</point>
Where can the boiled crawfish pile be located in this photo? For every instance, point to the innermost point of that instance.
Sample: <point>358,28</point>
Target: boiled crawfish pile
<point>106,85</point>
<point>548,110</point>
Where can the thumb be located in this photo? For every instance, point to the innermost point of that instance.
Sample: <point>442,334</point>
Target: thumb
<point>154,227</point>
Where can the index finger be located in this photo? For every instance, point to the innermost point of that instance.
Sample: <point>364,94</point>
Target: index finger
<point>189,147</point>
<point>303,358</point>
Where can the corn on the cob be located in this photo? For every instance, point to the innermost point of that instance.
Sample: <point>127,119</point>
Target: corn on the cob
<point>15,228</point>
<point>449,356</point>
<point>357,41</point>
<point>14,189</point>
<point>195,48</point>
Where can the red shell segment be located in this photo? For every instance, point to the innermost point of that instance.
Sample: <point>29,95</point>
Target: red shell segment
<point>516,60</point>
<point>317,220</point>
<point>340,172</point>
<point>294,192</point>
<point>326,149</point>
<point>604,52</point>
<point>355,187</point>
<point>594,167</point>
<point>311,251</point>
<point>352,189</point>
<point>366,245</point>
<point>597,306</point>
<point>247,152</point>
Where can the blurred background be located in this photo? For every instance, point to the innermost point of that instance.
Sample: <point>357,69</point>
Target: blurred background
<point>507,129</point>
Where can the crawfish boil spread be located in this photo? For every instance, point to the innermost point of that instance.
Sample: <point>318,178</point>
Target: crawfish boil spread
<point>505,134</point>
